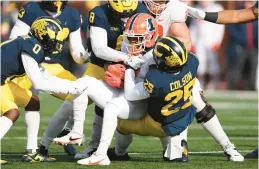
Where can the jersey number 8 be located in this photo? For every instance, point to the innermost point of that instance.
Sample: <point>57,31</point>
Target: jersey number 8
<point>91,17</point>
<point>176,96</point>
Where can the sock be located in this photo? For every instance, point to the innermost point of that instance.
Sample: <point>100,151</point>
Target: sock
<point>57,123</point>
<point>5,125</point>
<point>215,129</point>
<point>70,123</point>
<point>80,103</point>
<point>183,134</point>
<point>108,129</point>
<point>97,129</point>
<point>174,149</point>
<point>32,122</point>
<point>122,143</point>
<point>164,141</point>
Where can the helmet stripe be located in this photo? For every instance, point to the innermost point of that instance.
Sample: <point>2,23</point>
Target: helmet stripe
<point>179,46</point>
<point>133,20</point>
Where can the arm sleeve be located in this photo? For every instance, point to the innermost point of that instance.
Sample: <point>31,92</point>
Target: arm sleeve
<point>100,47</point>
<point>77,49</point>
<point>132,90</point>
<point>43,82</point>
<point>20,28</point>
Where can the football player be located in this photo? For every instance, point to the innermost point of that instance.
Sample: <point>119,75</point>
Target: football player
<point>25,54</point>
<point>71,20</point>
<point>106,23</point>
<point>229,17</point>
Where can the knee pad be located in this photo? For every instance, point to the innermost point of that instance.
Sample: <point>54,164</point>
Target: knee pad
<point>34,104</point>
<point>98,111</point>
<point>205,114</point>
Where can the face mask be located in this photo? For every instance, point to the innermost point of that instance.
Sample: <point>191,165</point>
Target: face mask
<point>124,20</point>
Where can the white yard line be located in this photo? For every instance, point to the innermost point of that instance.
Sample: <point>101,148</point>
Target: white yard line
<point>154,138</point>
<point>140,153</point>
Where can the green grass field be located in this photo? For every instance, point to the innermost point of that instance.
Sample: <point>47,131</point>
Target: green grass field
<point>238,113</point>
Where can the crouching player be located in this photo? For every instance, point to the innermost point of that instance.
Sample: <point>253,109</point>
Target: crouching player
<point>23,55</point>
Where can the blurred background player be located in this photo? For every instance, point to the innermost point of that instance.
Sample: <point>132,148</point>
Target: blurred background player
<point>207,38</point>
<point>25,53</point>
<point>229,17</point>
<point>71,20</point>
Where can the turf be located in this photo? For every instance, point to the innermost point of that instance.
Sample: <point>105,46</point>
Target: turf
<point>238,116</point>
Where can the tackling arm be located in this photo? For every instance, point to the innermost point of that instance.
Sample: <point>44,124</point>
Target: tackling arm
<point>44,83</point>
<point>134,91</point>
<point>100,47</point>
<point>181,31</point>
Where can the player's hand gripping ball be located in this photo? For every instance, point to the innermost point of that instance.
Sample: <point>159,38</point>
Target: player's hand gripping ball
<point>114,75</point>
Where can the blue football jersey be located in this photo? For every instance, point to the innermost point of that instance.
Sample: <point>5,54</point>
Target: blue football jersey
<point>99,17</point>
<point>11,62</point>
<point>70,18</point>
<point>171,94</point>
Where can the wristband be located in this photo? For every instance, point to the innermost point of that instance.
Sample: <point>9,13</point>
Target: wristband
<point>211,16</point>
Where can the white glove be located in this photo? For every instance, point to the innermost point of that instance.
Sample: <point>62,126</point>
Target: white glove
<point>87,56</point>
<point>79,86</point>
<point>196,13</point>
<point>135,62</point>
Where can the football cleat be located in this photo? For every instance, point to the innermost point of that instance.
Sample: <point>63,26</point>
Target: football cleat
<point>41,158</point>
<point>42,155</point>
<point>71,138</point>
<point>69,149</point>
<point>3,162</point>
<point>232,153</point>
<point>253,154</point>
<point>95,159</point>
<point>87,152</point>
<point>184,157</point>
<point>114,157</point>
<point>28,156</point>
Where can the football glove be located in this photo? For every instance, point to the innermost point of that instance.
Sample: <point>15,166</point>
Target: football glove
<point>117,70</point>
<point>113,80</point>
<point>134,62</point>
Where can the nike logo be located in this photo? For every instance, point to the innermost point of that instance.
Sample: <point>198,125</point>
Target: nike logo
<point>95,163</point>
<point>73,139</point>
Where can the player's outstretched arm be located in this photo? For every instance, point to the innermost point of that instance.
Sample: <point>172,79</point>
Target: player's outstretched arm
<point>46,84</point>
<point>226,16</point>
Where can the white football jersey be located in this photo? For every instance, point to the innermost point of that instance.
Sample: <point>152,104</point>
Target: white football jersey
<point>175,12</point>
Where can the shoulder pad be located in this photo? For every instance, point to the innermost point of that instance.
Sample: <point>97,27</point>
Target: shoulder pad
<point>75,17</point>
<point>27,13</point>
<point>33,48</point>
<point>97,17</point>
